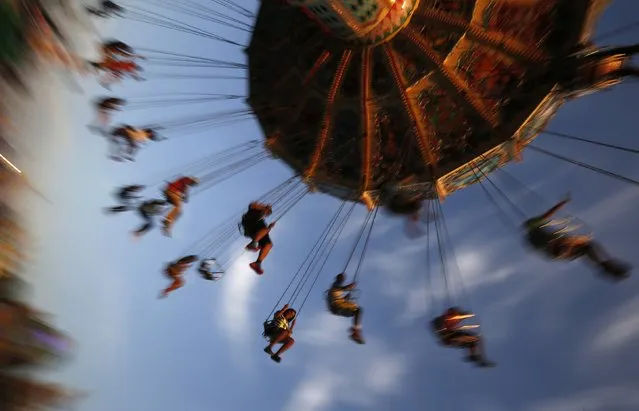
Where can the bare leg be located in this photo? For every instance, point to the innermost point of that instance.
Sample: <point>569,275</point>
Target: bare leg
<point>118,209</point>
<point>260,234</point>
<point>597,255</point>
<point>148,224</point>
<point>278,339</point>
<point>288,343</point>
<point>176,201</point>
<point>177,283</point>
<point>356,331</point>
<point>264,252</point>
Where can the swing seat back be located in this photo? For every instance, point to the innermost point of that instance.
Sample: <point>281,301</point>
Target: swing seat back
<point>269,327</point>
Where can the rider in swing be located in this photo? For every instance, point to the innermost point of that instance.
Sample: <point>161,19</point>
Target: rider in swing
<point>258,231</point>
<point>176,194</point>
<point>280,331</point>
<point>448,330</point>
<point>555,243</point>
<point>106,9</point>
<point>131,137</point>
<point>126,196</point>
<point>106,107</point>
<point>116,70</point>
<point>341,304</point>
<point>175,271</point>
<point>148,210</point>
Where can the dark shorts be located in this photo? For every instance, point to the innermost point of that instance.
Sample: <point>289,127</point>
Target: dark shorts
<point>251,228</point>
<point>271,332</point>
<point>344,308</point>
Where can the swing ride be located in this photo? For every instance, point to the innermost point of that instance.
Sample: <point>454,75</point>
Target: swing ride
<point>393,104</point>
<point>414,92</point>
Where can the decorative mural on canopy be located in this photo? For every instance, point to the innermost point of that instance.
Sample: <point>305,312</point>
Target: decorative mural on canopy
<point>342,159</point>
<point>489,74</point>
<point>439,39</point>
<point>507,18</point>
<point>412,62</point>
<point>461,9</point>
<point>453,83</point>
<point>539,119</point>
<point>443,112</point>
<point>473,171</point>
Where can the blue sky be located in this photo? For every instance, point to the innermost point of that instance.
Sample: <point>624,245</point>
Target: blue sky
<point>564,339</point>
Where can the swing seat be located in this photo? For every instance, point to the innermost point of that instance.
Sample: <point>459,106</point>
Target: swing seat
<point>269,329</point>
<point>207,272</point>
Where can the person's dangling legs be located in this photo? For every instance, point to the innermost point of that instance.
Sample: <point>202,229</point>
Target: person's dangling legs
<point>265,245</point>
<point>610,266</point>
<point>144,228</point>
<point>175,199</point>
<point>119,209</point>
<point>177,283</point>
<point>284,338</point>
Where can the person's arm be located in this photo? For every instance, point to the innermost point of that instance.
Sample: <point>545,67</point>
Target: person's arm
<point>555,208</point>
<point>351,286</point>
<point>280,312</point>
<point>293,324</point>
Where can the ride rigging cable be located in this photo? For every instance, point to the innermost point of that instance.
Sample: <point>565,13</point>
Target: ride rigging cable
<point>156,19</point>
<point>226,234</point>
<point>176,100</point>
<point>310,258</point>
<point>205,164</point>
<point>334,240</point>
<point>201,11</point>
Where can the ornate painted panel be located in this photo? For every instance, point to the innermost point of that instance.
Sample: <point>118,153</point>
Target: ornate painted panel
<point>472,172</point>
<point>382,81</point>
<point>397,155</point>
<point>342,158</point>
<point>461,9</point>
<point>413,63</point>
<point>489,74</point>
<point>530,23</point>
<point>539,119</point>
<point>439,39</point>
<point>443,113</point>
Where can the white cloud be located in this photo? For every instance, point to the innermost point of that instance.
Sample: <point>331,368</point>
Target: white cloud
<point>316,393</point>
<point>327,330</point>
<point>366,373</point>
<point>612,207</point>
<point>623,329</point>
<point>603,399</point>
<point>237,288</point>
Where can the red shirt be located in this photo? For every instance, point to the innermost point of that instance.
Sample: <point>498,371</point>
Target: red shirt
<point>450,323</point>
<point>181,185</point>
<point>120,66</point>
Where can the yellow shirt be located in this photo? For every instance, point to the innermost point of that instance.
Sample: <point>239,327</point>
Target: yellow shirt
<point>281,323</point>
<point>138,136</point>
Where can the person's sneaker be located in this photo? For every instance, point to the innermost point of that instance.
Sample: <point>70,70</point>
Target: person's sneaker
<point>471,358</point>
<point>268,351</point>
<point>356,335</point>
<point>165,229</point>
<point>616,269</point>
<point>257,267</point>
<point>252,247</point>
<point>483,363</point>
<point>276,358</point>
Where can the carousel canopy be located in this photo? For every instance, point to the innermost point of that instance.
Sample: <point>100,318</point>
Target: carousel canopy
<point>358,93</point>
